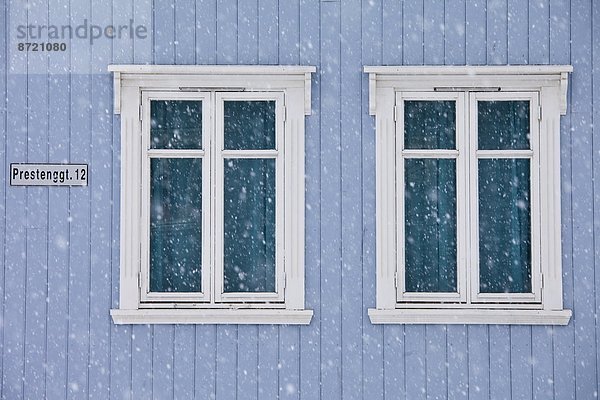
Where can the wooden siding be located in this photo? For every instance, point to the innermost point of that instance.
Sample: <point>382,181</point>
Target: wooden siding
<point>60,256</point>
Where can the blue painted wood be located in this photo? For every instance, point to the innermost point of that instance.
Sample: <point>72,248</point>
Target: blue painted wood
<point>142,44</point>
<point>289,336</point>
<point>476,49</point>
<point>141,358</point>
<point>454,34</point>
<point>184,356</point>
<point>247,31</point>
<point>162,361</point>
<point>433,32</point>
<point>500,362</point>
<point>247,369</point>
<point>595,132</point>
<point>518,49</point>
<point>392,32</point>
<point>412,19</point>
<point>497,26</point>
<point>351,205</point>
<point>226,32</point>
<point>436,362</point>
<point>478,359</point>
<point>310,336</point>
<point>205,366</point>
<point>37,220</point>
<point>583,258</point>
<point>393,361</point>
<point>458,371</point>
<point>521,361</point>
<point>542,362</point>
<point>539,31</point>
<point>227,361</point>
<point>185,36</point>
<point>164,31</point>
<point>3,133</point>
<point>79,213</point>
<point>268,362</point>
<point>331,251</point>
<point>122,12</point>
<point>373,340</point>
<point>206,31</point>
<point>267,32</point>
<point>415,358</point>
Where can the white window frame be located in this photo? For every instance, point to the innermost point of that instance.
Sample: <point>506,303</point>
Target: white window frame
<point>134,87</point>
<point>545,87</point>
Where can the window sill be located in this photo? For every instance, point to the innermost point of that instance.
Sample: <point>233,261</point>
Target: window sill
<point>212,316</point>
<point>470,316</point>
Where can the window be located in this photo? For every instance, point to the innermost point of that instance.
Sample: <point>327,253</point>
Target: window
<point>215,232</point>
<point>468,194</point>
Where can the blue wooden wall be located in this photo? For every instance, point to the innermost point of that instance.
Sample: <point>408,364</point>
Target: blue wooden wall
<point>60,247</point>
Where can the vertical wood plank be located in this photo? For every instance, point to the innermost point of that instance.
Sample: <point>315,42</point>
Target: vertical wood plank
<point>80,213</point>
<point>227,32</point>
<point>351,205</point>
<point>164,31</point>
<point>454,34</point>
<point>373,341</point>
<point>162,361</point>
<point>100,237</point>
<point>58,208</point>
<point>393,361</point>
<point>128,345</point>
<point>247,369</point>
<point>37,218</point>
<point>142,44</point>
<point>518,48</point>
<point>185,37</point>
<point>476,49</point>
<point>184,355</point>
<point>521,362</point>
<point>479,362</point>
<point>458,369</point>
<point>227,361</point>
<point>267,32</point>
<point>596,131</point>
<point>141,358</point>
<point>310,336</point>
<point>205,362</point>
<point>433,32</point>
<point>415,354</point>
<point>3,106</point>
<point>412,22</point>
<point>15,249</point>
<point>500,362</point>
<point>581,118</point>
<point>206,31</point>
<point>497,29</point>
<point>268,357</point>
<point>289,336</point>
<point>436,362</point>
<point>392,32</point>
<point>331,228</point>
<point>539,31</point>
<point>247,31</point>
<point>543,362</point>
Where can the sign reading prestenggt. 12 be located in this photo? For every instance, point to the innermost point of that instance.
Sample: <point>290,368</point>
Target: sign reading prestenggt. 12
<point>48,174</point>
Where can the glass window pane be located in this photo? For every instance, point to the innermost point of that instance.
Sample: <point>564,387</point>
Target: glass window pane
<point>430,225</point>
<point>175,124</point>
<point>176,225</point>
<point>429,124</point>
<point>249,125</point>
<point>503,125</point>
<point>504,226</point>
<point>249,219</point>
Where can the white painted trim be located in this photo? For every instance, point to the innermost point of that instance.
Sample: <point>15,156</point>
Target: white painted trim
<point>300,70</point>
<point>470,316</point>
<point>428,70</point>
<point>212,316</point>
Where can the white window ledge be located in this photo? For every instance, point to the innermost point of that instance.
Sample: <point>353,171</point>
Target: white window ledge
<point>211,316</point>
<point>463,316</point>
